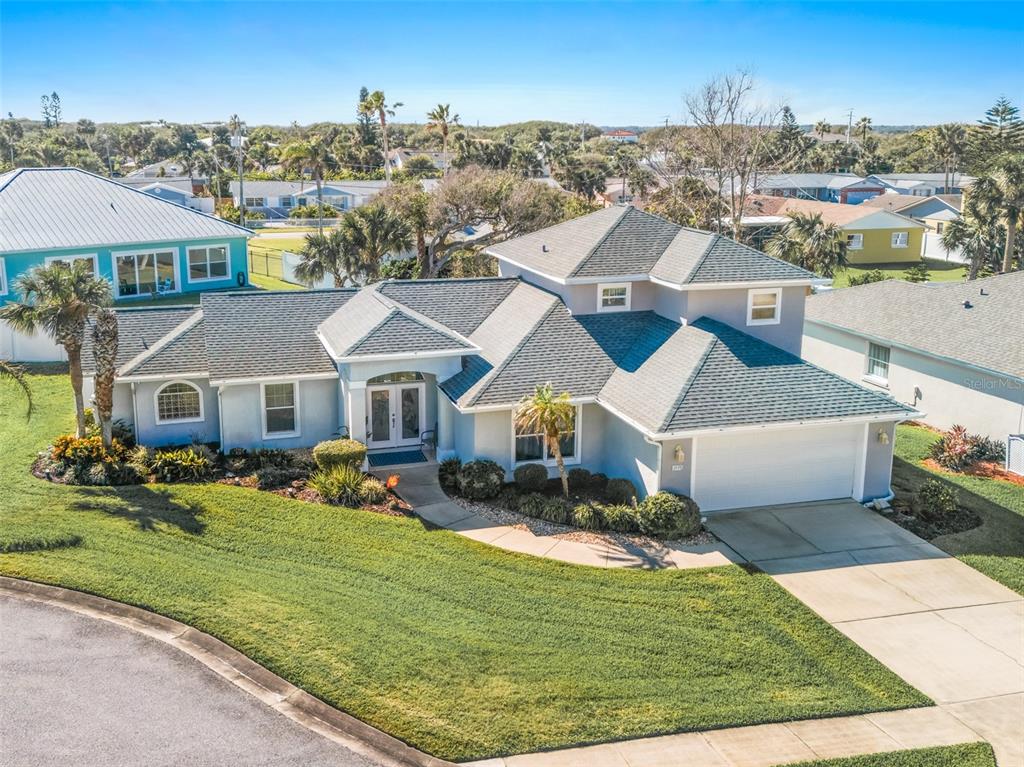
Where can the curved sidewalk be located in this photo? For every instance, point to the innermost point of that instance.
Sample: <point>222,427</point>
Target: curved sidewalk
<point>420,488</point>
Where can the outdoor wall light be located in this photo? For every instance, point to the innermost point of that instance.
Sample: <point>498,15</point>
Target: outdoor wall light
<point>883,436</point>
<point>679,454</point>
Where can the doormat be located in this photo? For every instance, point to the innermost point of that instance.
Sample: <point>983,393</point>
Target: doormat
<point>377,460</point>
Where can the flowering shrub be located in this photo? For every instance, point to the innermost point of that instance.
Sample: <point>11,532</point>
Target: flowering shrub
<point>958,451</point>
<point>86,450</point>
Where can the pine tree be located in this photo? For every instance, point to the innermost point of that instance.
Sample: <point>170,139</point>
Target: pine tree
<point>1000,132</point>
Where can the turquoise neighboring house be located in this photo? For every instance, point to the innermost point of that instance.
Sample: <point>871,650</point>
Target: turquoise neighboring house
<point>145,246</point>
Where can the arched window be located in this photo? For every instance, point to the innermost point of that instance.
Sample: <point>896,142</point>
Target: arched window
<point>179,401</point>
<point>403,377</point>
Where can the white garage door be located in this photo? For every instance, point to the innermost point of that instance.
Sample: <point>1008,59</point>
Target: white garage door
<point>784,466</point>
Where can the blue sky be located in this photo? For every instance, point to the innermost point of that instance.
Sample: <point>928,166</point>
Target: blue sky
<point>614,63</point>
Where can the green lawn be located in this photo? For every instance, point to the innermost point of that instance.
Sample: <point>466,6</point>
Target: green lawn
<point>969,755</point>
<point>996,547</point>
<point>278,244</point>
<point>940,271</point>
<point>263,282</point>
<point>461,649</point>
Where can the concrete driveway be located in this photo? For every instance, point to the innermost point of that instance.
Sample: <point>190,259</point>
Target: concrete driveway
<point>945,628</point>
<point>77,690</point>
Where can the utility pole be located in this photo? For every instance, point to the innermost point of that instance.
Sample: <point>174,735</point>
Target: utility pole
<point>583,134</point>
<point>241,173</point>
<point>849,126</point>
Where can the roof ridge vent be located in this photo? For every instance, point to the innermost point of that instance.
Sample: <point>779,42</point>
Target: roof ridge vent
<point>968,305</point>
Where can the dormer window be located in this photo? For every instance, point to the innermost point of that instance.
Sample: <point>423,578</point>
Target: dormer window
<point>613,297</point>
<point>763,307</point>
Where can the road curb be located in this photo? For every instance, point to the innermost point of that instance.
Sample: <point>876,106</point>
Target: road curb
<point>245,673</point>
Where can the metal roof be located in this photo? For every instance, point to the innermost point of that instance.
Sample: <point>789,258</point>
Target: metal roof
<point>51,208</point>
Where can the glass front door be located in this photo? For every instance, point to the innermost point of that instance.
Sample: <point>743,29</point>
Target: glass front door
<point>394,415</point>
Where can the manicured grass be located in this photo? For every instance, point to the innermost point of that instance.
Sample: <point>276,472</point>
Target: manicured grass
<point>278,244</point>
<point>996,547</point>
<point>263,282</point>
<point>459,648</point>
<point>969,755</point>
<point>939,271</point>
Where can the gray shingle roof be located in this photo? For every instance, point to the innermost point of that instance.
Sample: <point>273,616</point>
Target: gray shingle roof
<point>932,318</point>
<point>459,304</point>
<point>257,333</point>
<point>743,381</point>
<point>48,208</point>
<point>400,333</point>
<point>138,331</point>
<point>622,241</point>
<point>185,353</point>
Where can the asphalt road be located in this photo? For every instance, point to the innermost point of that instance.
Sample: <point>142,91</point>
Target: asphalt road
<point>76,690</point>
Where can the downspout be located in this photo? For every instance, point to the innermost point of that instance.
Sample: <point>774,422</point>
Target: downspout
<point>135,414</point>
<point>660,447</point>
<point>220,420</point>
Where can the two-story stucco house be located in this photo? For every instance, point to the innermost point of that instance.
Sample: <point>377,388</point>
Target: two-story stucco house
<point>680,349</point>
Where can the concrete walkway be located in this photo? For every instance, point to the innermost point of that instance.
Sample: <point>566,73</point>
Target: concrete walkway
<point>420,488</point>
<point>945,628</point>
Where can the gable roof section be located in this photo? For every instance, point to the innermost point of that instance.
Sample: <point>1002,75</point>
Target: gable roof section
<point>184,353</point>
<point>621,241</point>
<point>259,334</point>
<point>49,208</point>
<point>401,333</point>
<point>461,305</point>
<point>931,318</point>
<point>139,330</point>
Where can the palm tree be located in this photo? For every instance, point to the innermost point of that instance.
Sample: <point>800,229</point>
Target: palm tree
<point>442,120</point>
<point>975,239</point>
<point>1008,182</point>
<point>822,127</point>
<point>809,242</point>
<point>315,155</point>
<point>948,143</point>
<point>104,352</point>
<point>375,106</point>
<point>409,201</point>
<point>59,299</point>
<point>17,374</point>
<point>549,414</point>
<point>863,127</point>
<point>374,232</point>
<point>327,254</point>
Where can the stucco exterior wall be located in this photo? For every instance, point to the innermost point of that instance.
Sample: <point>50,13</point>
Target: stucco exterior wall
<point>878,460</point>
<point>675,475</point>
<point>149,432</point>
<point>878,247</point>
<point>730,306</point>
<point>243,415</point>
<point>626,454</point>
<point>950,393</point>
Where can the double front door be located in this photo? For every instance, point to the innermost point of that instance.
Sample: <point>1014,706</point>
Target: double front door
<point>395,414</point>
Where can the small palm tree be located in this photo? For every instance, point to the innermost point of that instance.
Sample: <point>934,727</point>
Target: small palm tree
<point>976,239</point>
<point>374,232</point>
<point>104,352</point>
<point>552,415</point>
<point>327,254</point>
<point>822,127</point>
<point>314,155</point>
<point>441,119</point>
<point>375,106</point>
<point>809,242</point>
<point>948,143</point>
<point>863,127</point>
<point>59,299</point>
<point>17,374</point>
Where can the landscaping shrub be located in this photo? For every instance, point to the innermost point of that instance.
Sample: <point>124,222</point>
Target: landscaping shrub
<point>599,482</point>
<point>580,479</point>
<point>70,449</point>
<point>508,498</point>
<point>556,510</point>
<point>532,505</point>
<point>917,273</point>
<point>236,461</point>
<point>875,275</point>
<point>271,477</point>
<point>339,452</point>
<point>448,473</point>
<point>341,484</point>
<point>478,480</point>
<point>667,515</point>
<point>373,491</point>
<point>531,477</point>
<point>620,491</point>
<point>986,449</point>
<point>119,430</point>
<point>957,450</point>
<point>140,458</point>
<point>935,499</point>
<point>270,458</point>
<point>621,518</point>
<point>588,516</point>
<point>187,464</point>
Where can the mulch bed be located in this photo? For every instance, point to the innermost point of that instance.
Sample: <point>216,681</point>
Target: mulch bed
<point>297,490</point>
<point>986,469</point>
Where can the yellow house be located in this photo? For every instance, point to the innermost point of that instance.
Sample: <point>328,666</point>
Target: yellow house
<point>873,235</point>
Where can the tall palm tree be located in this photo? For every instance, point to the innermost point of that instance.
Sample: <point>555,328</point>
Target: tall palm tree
<point>374,232</point>
<point>17,374</point>
<point>314,155</point>
<point>809,242</point>
<point>374,105</point>
<point>327,254</point>
<point>822,127</point>
<point>104,352</point>
<point>409,201</point>
<point>552,415</point>
<point>441,119</point>
<point>59,299</point>
<point>948,143</point>
<point>1008,180</point>
<point>863,127</point>
<point>976,239</point>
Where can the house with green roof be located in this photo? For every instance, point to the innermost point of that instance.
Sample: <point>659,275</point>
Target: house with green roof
<point>144,245</point>
<point>679,349</point>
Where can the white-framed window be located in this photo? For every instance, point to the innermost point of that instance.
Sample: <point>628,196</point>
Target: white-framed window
<point>178,402</point>
<point>939,226</point>
<point>255,202</point>
<point>531,447</point>
<point>210,262</point>
<point>287,202</point>
<point>303,201</point>
<point>878,363</point>
<point>3,276</point>
<point>146,273</point>
<point>91,258</point>
<point>854,241</point>
<point>614,297</point>
<point>900,239</point>
<point>280,405</point>
<point>764,306</point>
